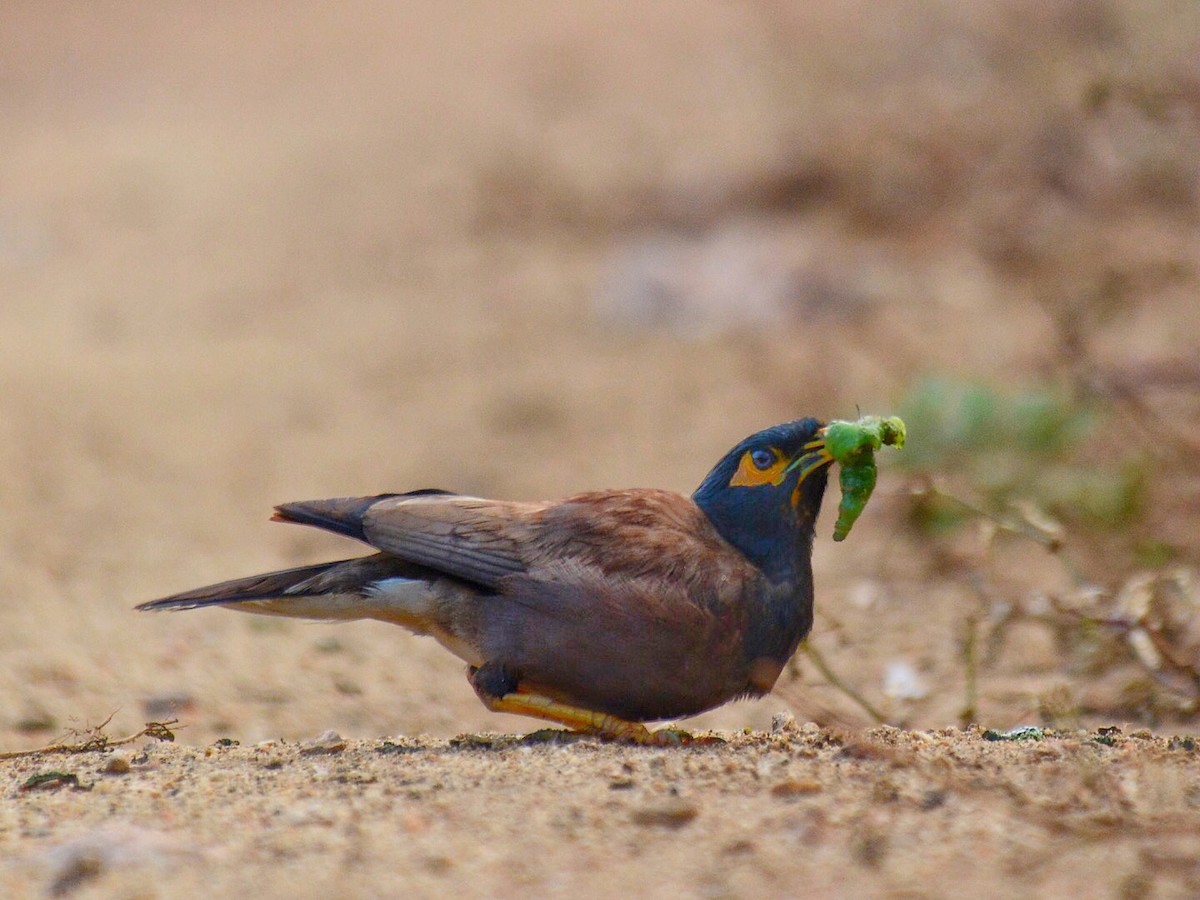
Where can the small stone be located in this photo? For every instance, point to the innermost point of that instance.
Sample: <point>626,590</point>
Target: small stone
<point>673,814</point>
<point>325,742</point>
<point>116,764</point>
<point>783,721</point>
<point>796,787</point>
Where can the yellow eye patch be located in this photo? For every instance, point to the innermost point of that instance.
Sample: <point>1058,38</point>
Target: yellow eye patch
<point>750,475</point>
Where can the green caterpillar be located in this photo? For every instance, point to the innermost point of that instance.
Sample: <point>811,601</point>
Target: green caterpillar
<point>852,446</point>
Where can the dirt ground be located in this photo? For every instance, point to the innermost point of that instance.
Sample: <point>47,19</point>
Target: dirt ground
<point>250,256</point>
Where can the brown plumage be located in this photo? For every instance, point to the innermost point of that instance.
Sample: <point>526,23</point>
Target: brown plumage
<point>599,611</point>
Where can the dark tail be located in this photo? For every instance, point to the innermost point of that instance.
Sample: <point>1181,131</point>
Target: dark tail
<point>341,515</point>
<point>256,587</point>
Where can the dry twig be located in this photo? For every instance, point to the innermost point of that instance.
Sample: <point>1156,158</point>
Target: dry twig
<point>97,741</point>
<point>823,667</point>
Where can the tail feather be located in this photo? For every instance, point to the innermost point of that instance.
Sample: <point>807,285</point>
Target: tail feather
<point>241,590</point>
<point>380,586</point>
<point>341,515</point>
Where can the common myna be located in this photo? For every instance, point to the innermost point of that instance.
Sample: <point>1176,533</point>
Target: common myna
<point>600,611</point>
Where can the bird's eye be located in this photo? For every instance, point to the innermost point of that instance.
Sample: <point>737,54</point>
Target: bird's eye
<point>762,459</point>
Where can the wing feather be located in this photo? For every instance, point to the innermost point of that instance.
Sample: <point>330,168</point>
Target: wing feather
<point>478,540</point>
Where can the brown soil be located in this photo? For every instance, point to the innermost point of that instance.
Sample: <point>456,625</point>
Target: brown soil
<point>249,256</point>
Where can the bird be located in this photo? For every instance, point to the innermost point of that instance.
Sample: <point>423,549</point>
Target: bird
<point>600,612</point>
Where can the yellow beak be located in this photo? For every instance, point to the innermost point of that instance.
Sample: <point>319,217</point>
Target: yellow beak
<point>814,458</point>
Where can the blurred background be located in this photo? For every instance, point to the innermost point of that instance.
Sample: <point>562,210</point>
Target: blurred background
<point>253,253</point>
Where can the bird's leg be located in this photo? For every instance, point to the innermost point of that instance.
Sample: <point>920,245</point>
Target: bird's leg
<point>500,692</point>
<point>574,717</point>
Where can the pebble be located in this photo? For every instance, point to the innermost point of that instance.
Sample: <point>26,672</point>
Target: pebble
<point>795,787</point>
<point>325,742</point>
<point>672,814</point>
<point>117,763</point>
<point>783,721</point>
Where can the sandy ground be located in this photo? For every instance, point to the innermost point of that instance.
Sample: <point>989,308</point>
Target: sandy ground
<point>796,811</point>
<point>522,251</point>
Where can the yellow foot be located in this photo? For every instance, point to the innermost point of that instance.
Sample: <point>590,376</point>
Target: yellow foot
<point>592,722</point>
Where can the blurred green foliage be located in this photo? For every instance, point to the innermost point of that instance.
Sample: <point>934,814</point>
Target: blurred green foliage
<point>1038,445</point>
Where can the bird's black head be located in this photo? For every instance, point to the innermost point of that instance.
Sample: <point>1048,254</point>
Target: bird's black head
<point>764,496</point>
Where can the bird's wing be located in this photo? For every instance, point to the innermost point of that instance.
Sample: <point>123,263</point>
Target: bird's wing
<point>634,533</point>
<point>470,538</point>
<point>479,540</point>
